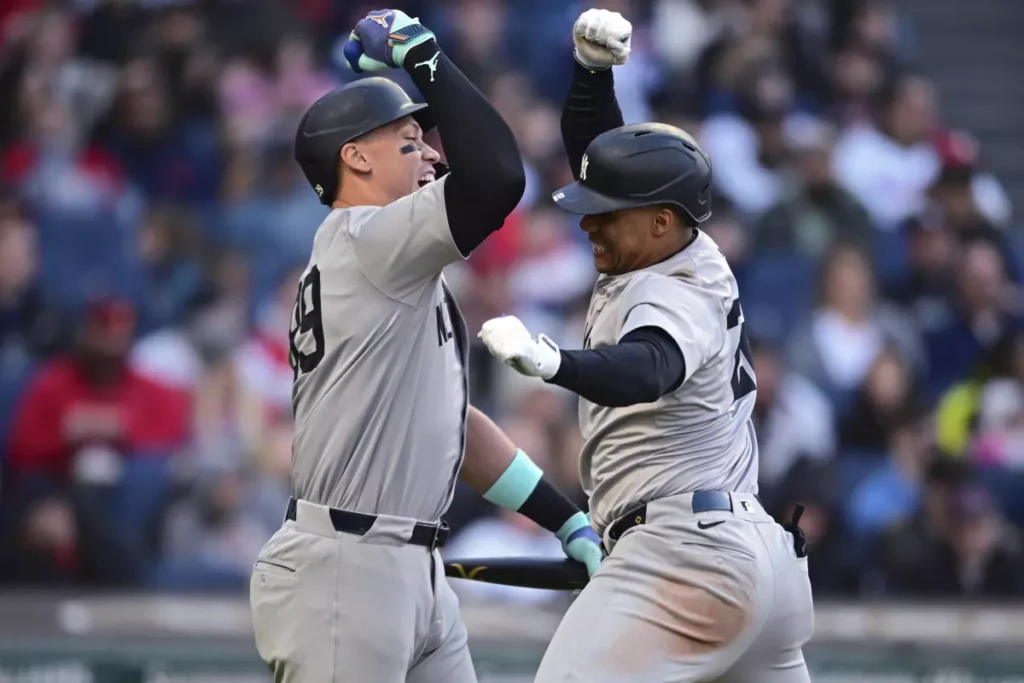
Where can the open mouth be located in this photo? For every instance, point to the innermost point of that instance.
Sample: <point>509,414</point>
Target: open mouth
<point>426,179</point>
<point>598,249</point>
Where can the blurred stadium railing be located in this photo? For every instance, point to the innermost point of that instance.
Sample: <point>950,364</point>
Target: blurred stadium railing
<point>147,639</point>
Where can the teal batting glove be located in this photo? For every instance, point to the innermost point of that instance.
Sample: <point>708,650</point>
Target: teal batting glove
<point>581,543</point>
<point>382,39</point>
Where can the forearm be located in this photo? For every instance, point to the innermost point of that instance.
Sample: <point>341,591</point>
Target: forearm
<point>489,452</point>
<point>641,368</point>
<point>590,109</point>
<point>505,476</point>
<point>487,177</point>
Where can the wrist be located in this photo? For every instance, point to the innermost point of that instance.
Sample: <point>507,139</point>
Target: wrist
<point>418,55</point>
<point>516,483</point>
<point>549,357</point>
<point>587,65</point>
<point>522,488</point>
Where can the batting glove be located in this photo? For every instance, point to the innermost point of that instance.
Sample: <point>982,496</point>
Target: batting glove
<point>509,341</point>
<point>581,543</point>
<point>382,39</point>
<point>602,39</point>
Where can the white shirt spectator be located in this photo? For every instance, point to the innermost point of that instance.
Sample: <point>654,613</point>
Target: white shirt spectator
<point>801,423</point>
<point>892,181</point>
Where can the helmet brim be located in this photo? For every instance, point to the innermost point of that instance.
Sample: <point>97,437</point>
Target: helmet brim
<point>581,200</point>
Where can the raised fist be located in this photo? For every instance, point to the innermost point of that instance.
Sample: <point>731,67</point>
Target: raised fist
<point>382,39</point>
<point>601,38</point>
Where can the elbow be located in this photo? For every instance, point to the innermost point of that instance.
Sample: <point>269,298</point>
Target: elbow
<point>508,187</point>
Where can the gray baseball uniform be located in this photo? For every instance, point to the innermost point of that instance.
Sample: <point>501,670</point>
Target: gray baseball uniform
<point>380,400</point>
<point>691,595</point>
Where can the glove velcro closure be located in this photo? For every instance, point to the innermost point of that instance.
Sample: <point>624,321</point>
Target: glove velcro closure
<point>404,39</point>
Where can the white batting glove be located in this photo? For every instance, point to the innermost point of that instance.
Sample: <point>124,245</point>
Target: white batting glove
<point>509,341</point>
<point>602,39</point>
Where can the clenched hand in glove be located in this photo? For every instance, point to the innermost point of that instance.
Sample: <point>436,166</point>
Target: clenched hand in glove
<point>602,39</point>
<point>382,39</point>
<point>509,341</point>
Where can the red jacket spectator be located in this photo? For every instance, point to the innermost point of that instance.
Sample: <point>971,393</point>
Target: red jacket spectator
<point>71,404</point>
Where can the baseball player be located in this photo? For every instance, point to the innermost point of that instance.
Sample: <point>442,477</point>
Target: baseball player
<point>351,587</point>
<point>700,583</point>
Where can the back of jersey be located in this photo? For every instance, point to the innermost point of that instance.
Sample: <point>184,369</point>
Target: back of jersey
<point>378,348</point>
<point>698,437</point>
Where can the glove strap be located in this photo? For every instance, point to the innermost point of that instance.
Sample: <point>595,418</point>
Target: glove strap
<point>404,39</point>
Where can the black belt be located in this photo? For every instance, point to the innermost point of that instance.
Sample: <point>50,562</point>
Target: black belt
<point>703,501</point>
<point>428,535</point>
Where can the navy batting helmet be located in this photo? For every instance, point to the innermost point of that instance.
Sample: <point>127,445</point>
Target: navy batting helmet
<point>643,164</point>
<point>341,116</point>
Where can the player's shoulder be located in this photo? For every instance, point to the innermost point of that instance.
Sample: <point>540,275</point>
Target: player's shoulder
<point>700,268</point>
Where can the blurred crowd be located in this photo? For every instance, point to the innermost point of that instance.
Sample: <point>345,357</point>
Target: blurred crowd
<point>153,225</point>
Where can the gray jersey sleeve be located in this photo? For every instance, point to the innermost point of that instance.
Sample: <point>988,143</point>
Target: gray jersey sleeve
<point>691,315</point>
<point>402,246</point>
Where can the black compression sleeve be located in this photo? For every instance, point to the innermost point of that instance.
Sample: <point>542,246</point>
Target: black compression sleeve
<point>590,109</point>
<point>487,179</point>
<point>644,366</point>
<point>548,507</point>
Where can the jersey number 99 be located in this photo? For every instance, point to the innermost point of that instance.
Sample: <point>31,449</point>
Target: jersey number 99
<point>306,335</point>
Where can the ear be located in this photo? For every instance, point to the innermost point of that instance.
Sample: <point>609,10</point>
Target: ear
<point>662,221</point>
<point>353,156</point>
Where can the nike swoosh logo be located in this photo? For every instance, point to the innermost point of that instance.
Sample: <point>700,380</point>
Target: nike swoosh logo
<point>708,525</point>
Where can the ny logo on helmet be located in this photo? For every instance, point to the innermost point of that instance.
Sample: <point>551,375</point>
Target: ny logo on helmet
<point>319,190</point>
<point>583,168</point>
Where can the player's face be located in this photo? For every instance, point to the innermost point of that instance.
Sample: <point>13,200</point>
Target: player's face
<point>626,240</point>
<point>401,161</point>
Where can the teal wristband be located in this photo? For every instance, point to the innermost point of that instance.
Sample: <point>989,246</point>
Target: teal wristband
<point>516,483</point>
<point>572,525</point>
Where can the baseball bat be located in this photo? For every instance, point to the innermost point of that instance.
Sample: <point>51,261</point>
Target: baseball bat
<point>526,572</point>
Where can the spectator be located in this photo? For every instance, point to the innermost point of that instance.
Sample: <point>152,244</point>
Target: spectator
<point>749,146</point>
<point>892,492</point>
<point>168,252</point>
<point>981,415</point>
<point>84,420</point>
<point>552,273</point>
<point>974,555</point>
<point>814,212</point>
<point>850,327</point>
<point>928,286</point>
<point>834,567</point>
<point>793,418</point>
<point>168,158</point>
<point>985,307</point>
<point>973,200</point>
<point>31,327</point>
<point>882,403</point>
<point>889,166</point>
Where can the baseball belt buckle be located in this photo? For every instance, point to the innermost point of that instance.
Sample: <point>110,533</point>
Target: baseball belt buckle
<point>441,529</point>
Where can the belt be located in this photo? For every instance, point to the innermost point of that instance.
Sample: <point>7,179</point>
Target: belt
<point>703,501</point>
<point>431,536</point>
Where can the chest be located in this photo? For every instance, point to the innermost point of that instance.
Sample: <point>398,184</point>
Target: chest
<point>605,315</point>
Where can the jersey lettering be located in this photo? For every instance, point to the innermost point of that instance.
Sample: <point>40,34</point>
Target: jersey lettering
<point>306,335</point>
<point>743,377</point>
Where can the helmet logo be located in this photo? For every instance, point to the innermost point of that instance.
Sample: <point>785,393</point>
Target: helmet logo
<point>583,168</point>
<point>319,191</point>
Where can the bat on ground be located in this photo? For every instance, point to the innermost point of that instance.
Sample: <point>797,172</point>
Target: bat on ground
<point>525,572</point>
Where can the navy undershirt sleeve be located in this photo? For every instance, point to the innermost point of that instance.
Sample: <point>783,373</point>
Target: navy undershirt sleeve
<point>645,365</point>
